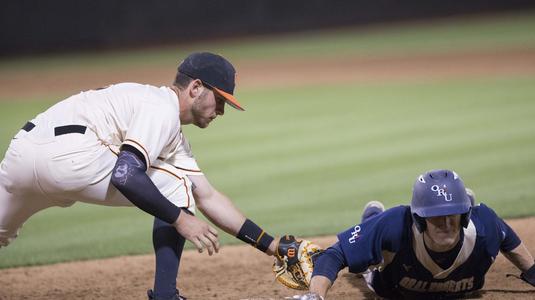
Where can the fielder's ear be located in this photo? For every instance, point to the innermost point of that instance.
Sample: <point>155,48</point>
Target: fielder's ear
<point>195,88</point>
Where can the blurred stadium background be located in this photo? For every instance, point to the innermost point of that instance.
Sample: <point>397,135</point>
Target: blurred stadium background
<point>347,101</point>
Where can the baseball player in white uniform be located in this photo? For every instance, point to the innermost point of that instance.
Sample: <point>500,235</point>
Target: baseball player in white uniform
<point>122,145</point>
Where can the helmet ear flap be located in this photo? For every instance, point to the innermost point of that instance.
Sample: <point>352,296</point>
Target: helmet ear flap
<point>465,218</point>
<point>421,225</point>
<point>419,222</point>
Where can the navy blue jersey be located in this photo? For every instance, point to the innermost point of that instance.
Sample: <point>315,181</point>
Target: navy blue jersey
<point>393,249</point>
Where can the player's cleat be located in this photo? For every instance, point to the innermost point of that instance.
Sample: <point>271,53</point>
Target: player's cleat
<point>176,296</point>
<point>371,209</point>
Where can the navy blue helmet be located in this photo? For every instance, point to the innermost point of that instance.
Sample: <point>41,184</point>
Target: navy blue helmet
<point>439,193</point>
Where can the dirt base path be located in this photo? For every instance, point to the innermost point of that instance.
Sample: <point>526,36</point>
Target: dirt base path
<point>237,272</point>
<point>274,73</point>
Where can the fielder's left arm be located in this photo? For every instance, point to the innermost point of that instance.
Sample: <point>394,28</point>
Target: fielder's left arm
<point>224,214</point>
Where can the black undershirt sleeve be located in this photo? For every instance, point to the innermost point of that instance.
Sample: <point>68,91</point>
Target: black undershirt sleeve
<point>134,150</point>
<point>130,178</point>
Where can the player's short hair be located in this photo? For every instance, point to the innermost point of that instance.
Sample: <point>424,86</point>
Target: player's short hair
<point>182,80</point>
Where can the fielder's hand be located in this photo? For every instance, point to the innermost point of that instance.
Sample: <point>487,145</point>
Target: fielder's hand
<point>198,232</point>
<point>293,262</point>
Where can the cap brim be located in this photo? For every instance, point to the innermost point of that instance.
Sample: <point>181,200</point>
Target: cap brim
<point>230,99</point>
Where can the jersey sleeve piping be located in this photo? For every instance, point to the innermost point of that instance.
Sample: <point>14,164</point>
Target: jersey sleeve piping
<point>112,151</point>
<point>178,177</point>
<point>169,173</point>
<point>188,170</point>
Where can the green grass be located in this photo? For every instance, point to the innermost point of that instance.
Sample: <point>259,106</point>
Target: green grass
<point>327,155</point>
<point>14,114</point>
<point>303,160</point>
<point>80,232</point>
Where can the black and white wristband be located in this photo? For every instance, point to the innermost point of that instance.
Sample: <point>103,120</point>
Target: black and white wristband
<point>253,235</point>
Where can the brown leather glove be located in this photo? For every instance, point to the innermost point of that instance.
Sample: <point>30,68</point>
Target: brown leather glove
<point>293,264</point>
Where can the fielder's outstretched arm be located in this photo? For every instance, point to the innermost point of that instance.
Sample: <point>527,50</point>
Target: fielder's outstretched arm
<point>224,214</point>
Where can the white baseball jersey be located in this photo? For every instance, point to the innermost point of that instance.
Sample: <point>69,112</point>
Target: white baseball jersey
<point>43,169</point>
<point>142,116</point>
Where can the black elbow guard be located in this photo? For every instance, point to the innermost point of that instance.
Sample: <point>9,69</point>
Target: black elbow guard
<point>127,165</point>
<point>129,177</point>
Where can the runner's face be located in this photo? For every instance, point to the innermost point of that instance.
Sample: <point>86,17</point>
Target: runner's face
<point>444,230</point>
<point>206,108</point>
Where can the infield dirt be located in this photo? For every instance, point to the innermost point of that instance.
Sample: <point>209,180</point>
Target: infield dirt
<point>236,272</point>
<point>241,272</point>
<point>287,72</point>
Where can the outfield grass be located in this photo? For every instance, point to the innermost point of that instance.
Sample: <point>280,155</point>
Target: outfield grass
<point>305,159</point>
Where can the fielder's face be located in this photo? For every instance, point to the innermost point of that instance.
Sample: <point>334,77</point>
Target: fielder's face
<point>206,108</point>
<point>443,231</point>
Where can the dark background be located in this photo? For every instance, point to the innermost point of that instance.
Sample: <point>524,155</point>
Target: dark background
<point>28,27</point>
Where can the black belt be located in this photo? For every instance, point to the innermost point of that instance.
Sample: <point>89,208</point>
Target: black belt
<point>60,130</point>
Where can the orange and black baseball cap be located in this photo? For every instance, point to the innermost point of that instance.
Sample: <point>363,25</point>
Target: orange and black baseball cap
<point>214,71</point>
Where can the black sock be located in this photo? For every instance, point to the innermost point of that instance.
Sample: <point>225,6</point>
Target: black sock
<point>168,245</point>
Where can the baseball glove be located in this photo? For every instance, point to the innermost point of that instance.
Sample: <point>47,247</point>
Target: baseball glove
<point>294,262</point>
